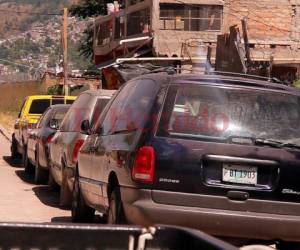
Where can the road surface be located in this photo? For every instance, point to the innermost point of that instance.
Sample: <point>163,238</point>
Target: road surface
<point>20,199</point>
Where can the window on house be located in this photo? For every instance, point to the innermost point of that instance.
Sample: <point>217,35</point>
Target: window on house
<point>190,17</point>
<point>104,31</point>
<point>119,27</point>
<point>138,22</point>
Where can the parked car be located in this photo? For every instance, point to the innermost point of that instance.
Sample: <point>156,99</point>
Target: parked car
<point>217,153</point>
<point>37,160</point>
<point>32,109</point>
<point>65,144</point>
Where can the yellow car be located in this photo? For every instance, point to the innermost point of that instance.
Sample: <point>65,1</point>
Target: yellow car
<point>32,109</point>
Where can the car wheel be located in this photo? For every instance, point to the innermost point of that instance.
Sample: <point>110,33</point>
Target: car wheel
<point>40,174</point>
<point>80,211</point>
<point>29,168</point>
<point>65,198</point>
<point>51,181</point>
<point>14,149</point>
<point>115,212</point>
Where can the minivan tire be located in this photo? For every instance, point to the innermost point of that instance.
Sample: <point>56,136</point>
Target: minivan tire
<point>40,174</point>
<point>14,149</point>
<point>65,195</point>
<point>51,181</point>
<point>115,213</point>
<point>80,211</point>
<point>28,167</point>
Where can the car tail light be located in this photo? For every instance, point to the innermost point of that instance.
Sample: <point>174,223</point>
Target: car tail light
<point>144,165</point>
<point>49,139</point>
<point>76,150</point>
<point>31,125</point>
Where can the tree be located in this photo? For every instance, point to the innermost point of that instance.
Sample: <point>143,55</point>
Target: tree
<point>48,42</point>
<point>85,9</point>
<point>89,8</point>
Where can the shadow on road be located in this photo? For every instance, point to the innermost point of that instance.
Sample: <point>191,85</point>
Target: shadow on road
<point>62,219</point>
<point>67,219</point>
<point>24,176</point>
<point>16,163</point>
<point>48,196</point>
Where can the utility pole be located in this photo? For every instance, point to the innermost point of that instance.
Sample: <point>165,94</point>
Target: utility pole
<point>65,50</point>
<point>246,40</point>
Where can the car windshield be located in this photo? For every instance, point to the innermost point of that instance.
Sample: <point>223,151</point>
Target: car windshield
<point>216,113</point>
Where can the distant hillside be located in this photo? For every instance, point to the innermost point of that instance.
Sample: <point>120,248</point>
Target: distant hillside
<point>33,40</point>
<point>12,22</point>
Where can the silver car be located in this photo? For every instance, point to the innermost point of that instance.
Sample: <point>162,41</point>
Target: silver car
<point>65,145</point>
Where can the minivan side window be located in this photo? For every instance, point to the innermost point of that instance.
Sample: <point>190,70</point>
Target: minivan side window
<point>39,106</point>
<point>76,114</point>
<point>99,107</point>
<point>114,110</point>
<point>43,118</point>
<point>130,109</point>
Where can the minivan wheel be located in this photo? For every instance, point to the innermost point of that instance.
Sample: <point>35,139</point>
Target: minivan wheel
<point>14,149</point>
<point>115,212</point>
<point>65,198</point>
<point>80,211</point>
<point>51,181</point>
<point>29,168</point>
<point>40,174</point>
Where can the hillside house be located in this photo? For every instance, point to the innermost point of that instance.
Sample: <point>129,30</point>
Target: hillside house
<point>186,30</point>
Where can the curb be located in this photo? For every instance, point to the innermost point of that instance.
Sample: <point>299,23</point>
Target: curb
<point>5,133</point>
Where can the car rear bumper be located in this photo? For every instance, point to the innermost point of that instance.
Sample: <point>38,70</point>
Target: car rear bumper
<point>140,208</point>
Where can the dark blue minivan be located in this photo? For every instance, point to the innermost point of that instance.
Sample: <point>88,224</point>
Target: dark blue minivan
<point>213,152</point>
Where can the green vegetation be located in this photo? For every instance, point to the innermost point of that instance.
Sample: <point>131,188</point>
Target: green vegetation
<point>55,90</point>
<point>296,83</point>
<point>88,8</point>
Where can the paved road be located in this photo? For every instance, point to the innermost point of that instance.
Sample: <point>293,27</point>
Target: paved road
<point>20,199</point>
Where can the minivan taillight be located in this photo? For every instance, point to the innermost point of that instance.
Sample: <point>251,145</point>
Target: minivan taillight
<point>144,165</point>
<point>76,150</point>
<point>49,139</point>
<point>31,125</point>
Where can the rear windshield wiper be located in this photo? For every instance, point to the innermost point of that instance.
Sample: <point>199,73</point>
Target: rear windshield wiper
<point>275,144</point>
<point>124,131</point>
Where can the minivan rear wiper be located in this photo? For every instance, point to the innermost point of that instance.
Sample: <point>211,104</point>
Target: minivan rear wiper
<point>275,144</point>
<point>124,131</point>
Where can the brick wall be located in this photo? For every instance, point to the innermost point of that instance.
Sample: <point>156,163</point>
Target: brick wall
<point>276,20</point>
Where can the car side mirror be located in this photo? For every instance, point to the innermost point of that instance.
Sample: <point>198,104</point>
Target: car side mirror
<point>17,124</point>
<point>54,124</point>
<point>86,127</point>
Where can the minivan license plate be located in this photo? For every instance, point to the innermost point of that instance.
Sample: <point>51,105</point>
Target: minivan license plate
<point>239,174</point>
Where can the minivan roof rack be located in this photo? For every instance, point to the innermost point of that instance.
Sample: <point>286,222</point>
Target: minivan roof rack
<point>245,75</point>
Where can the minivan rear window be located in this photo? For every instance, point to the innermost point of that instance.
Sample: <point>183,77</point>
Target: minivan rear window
<point>39,106</point>
<point>69,101</point>
<point>214,113</point>
<point>58,101</point>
